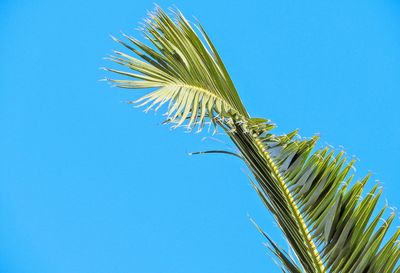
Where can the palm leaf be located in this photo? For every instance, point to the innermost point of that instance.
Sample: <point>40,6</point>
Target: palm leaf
<point>330,225</point>
<point>189,75</point>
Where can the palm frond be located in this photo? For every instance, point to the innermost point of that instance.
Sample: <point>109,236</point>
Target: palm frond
<point>187,72</point>
<point>348,235</point>
<point>329,223</point>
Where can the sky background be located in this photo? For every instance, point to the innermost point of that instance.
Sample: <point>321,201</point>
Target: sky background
<point>90,184</point>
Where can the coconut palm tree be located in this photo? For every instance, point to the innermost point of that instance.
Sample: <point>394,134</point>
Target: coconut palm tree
<point>329,223</point>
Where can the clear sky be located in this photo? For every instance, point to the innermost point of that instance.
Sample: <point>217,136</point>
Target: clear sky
<point>90,184</point>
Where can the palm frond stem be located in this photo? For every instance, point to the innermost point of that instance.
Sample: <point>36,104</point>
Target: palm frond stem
<point>295,210</point>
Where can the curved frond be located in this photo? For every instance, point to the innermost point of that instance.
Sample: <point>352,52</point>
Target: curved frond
<point>329,223</point>
<point>187,73</point>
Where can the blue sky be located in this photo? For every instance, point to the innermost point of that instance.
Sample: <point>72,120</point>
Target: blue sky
<point>89,184</point>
